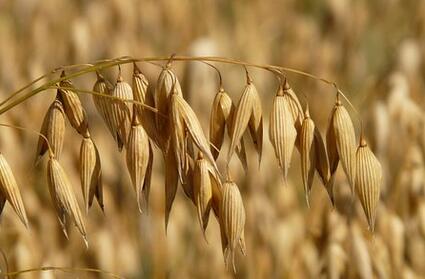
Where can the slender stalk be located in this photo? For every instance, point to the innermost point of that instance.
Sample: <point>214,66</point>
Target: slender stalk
<point>63,269</point>
<point>102,64</point>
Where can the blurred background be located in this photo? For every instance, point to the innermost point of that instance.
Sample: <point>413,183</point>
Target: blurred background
<point>374,50</point>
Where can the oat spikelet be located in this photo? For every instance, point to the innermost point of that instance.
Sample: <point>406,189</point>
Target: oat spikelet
<point>203,180</point>
<point>308,154</point>
<point>248,113</point>
<point>73,107</point>
<point>103,104</point>
<point>138,152</point>
<point>282,131</point>
<point>53,128</point>
<point>142,95</point>
<point>222,113</point>
<point>184,119</point>
<point>233,220</point>
<point>91,173</point>
<point>321,163</point>
<point>171,181</point>
<point>63,197</point>
<point>121,110</point>
<point>345,141</point>
<point>332,154</point>
<point>295,108</point>
<point>368,181</point>
<point>167,84</point>
<point>9,191</point>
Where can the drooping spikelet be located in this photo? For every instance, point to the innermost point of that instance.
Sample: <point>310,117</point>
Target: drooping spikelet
<point>91,173</point>
<point>248,114</point>
<point>232,214</point>
<point>105,106</point>
<point>204,181</point>
<point>308,153</point>
<point>142,95</point>
<point>222,113</point>
<point>73,108</point>
<point>122,110</point>
<point>171,182</point>
<point>341,143</point>
<point>282,130</point>
<point>53,128</point>
<point>63,197</point>
<point>185,122</point>
<point>9,191</point>
<point>368,181</point>
<point>166,85</point>
<point>138,158</point>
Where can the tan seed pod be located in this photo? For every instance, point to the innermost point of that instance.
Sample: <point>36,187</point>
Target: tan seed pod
<point>166,85</point>
<point>138,158</point>
<point>332,153</point>
<point>121,110</point>
<point>368,181</point>
<point>221,117</point>
<point>104,106</point>
<point>91,173</point>
<point>345,141</point>
<point>308,154</point>
<point>171,181</point>
<point>183,115</point>
<point>233,220</point>
<point>282,131</point>
<point>63,197</point>
<point>142,95</point>
<point>204,181</point>
<point>248,113</point>
<point>9,191</point>
<point>53,128</point>
<point>322,163</point>
<point>147,181</point>
<point>73,108</point>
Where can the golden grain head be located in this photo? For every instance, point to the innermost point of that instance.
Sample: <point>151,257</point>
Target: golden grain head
<point>53,128</point>
<point>138,152</point>
<point>232,214</point>
<point>9,191</point>
<point>183,115</point>
<point>282,132</point>
<point>73,108</point>
<point>368,181</point>
<point>121,111</point>
<point>91,173</point>
<point>308,153</point>
<point>63,197</point>
<point>202,190</point>
<point>345,139</point>
<point>140,86</point>
<point>222,110</point>
<point>248,113</point>
<point>171,182</point>
<point>321,161</point>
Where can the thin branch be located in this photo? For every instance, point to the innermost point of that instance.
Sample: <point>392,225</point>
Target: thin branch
<point>63,269</point>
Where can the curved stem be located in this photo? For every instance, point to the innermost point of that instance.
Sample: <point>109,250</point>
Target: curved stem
<point>126,59</point>
<point>32,131</point>
<point>63,269</point>
<point>218,72</point>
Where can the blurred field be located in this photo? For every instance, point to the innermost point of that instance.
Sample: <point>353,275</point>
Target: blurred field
<point>373,50</point>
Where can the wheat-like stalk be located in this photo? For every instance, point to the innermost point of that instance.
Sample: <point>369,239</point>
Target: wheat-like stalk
<point>139,121</point>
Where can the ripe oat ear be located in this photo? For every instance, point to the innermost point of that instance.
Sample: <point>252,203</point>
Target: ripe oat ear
<point>171,181</point>
<point>91,173</point>
<point>73,108</point>
<point>232,214</point>
<point>9,191</point>
<point>63,197</point>
<point>138,153</point>
<point>308,153</point>
<point>321,161</point>
<point>53,128</point>
<point>368,181</point>
<point>248,113</point>
<point>332,153</point>
<point>282,132</point>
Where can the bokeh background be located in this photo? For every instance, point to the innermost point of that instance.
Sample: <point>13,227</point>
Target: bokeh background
<point>374,50</point>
